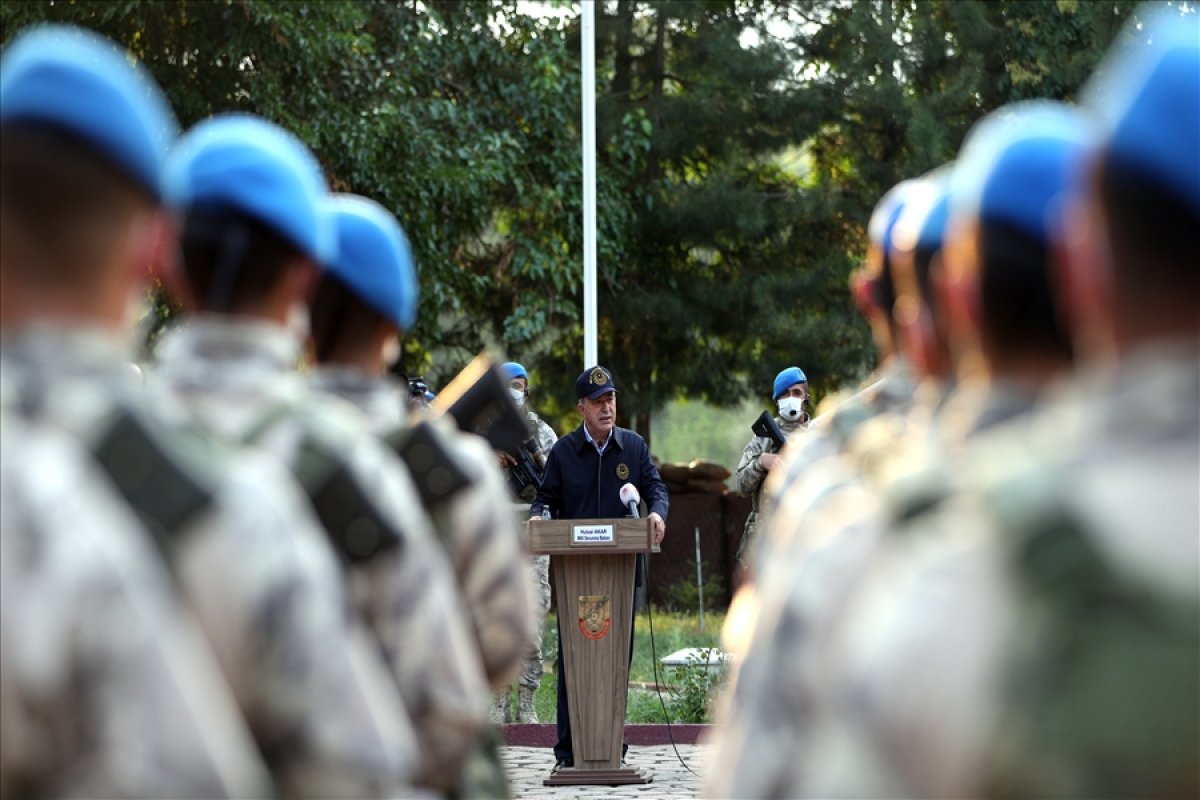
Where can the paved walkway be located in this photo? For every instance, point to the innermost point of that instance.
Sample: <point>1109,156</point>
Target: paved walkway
<point>529,766</point>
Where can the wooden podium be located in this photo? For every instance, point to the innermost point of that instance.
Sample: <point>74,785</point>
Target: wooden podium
<point>593,565</point>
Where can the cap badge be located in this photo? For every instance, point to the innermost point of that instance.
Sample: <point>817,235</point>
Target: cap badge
<point>599,377</point>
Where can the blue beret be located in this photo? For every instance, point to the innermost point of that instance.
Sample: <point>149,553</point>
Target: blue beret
<point>80,82</point>
<point>594,382</point>
<point>922,220</point>
<point>512,370</point>
<point>887,211</point>
<point>787,379</point>
<point>1019,163</point>
<point>373,257</point>
<point>242,163</point>
<point>1147,93</point>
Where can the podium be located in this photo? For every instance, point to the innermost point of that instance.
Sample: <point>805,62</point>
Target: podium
<point>593,570</point>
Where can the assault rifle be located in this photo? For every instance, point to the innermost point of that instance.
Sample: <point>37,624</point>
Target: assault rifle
<point>766,427</point>
<point>526,471</point>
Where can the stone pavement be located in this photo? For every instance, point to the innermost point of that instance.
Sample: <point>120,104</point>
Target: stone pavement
<point>529,766</point>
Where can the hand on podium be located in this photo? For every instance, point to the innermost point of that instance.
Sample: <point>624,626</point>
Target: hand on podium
<point>660,527</point>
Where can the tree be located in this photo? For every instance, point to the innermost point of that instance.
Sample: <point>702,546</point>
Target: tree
<point>742,144</point>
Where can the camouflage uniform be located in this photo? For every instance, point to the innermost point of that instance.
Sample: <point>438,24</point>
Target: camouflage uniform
<point>302,679</point>
<point>1042,617</point>
<point>534,666</point>
<point>105,688</point>
<point>239,379</point>
<point>834,520</point>
<point>749,476</point>
<point>484,546</point>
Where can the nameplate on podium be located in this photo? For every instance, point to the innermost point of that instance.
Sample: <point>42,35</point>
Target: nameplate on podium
<point>592,534</point>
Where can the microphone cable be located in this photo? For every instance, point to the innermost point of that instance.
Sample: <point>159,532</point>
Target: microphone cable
<point>654,665</point>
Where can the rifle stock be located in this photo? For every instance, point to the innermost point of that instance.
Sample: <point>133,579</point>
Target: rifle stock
<point>766,427</point>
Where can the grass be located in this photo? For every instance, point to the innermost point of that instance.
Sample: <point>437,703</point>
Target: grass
<point>672,631</point>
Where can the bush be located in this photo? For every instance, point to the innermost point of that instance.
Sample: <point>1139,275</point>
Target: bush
<point>693,687</point>
<point>685,597</point>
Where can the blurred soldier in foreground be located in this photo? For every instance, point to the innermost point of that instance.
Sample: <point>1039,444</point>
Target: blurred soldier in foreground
<point>255,232</point>
<point>790,393</point>
<point>833,532</point>
<point>537,449</point>
<point>1037,631</point>
<point>364,301</point>
<point>83,143</point>
<point>106,688</point>
<point>817,456</point>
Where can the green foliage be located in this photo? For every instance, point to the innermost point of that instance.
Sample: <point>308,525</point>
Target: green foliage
<point>693,688</point>
<point>684,595</point>
<point>742,145</point>
<point>684,430</point>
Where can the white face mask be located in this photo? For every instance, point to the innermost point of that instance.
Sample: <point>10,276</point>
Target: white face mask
<point>791,407</point>
<point>518,396</point>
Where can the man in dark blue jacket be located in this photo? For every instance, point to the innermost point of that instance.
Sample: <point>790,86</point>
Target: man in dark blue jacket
<point>584,475</point>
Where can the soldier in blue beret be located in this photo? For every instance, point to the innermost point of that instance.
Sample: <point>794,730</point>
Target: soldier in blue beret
<point>365,300</point>
<point>790,393</point>
<point>256,235</point>
<point>584,475</point>
<point>538,448</point>
<point>108,688</point>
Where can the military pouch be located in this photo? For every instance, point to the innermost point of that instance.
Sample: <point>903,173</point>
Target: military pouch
<point>434,471</point>
<point>165,486</point>
<point>355,526</point>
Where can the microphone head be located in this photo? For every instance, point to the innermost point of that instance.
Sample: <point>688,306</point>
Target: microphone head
<point>629,494</point>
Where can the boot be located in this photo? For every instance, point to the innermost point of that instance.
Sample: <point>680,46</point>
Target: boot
<point>501,710</point>
<point>526,711</point>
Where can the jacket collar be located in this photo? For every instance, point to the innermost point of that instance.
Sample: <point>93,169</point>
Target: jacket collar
<point>616,438</point>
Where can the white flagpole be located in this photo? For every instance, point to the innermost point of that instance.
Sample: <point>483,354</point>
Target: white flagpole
<point>587,32</point>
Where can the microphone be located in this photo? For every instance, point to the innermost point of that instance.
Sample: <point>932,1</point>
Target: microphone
<point>631,498</point>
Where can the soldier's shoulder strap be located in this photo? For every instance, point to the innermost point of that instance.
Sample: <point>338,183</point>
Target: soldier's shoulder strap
<point>427,454</point>
<point>167,478</point>
<point>356,526</point>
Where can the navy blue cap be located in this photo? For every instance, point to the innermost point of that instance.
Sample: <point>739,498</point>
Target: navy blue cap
<point>1020,163</point>
<point>1147,94</point>
<point>594,382</point>
<point>512,370</point>
<point>373,257</point>
<point>786,380</point>
<point>80,82</point>
<point>243,163</point>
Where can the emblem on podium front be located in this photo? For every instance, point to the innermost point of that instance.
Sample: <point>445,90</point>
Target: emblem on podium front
<point>595,615</point>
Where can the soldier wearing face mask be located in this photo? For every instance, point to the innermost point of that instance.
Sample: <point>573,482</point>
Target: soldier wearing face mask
<point>790,393</point>
<point>543,436</point>
<point>539,446</point>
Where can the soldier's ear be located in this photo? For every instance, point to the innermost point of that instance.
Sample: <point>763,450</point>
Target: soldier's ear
<point>1082,276</point>
<point>161,259</point>
<point>862,289</point>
